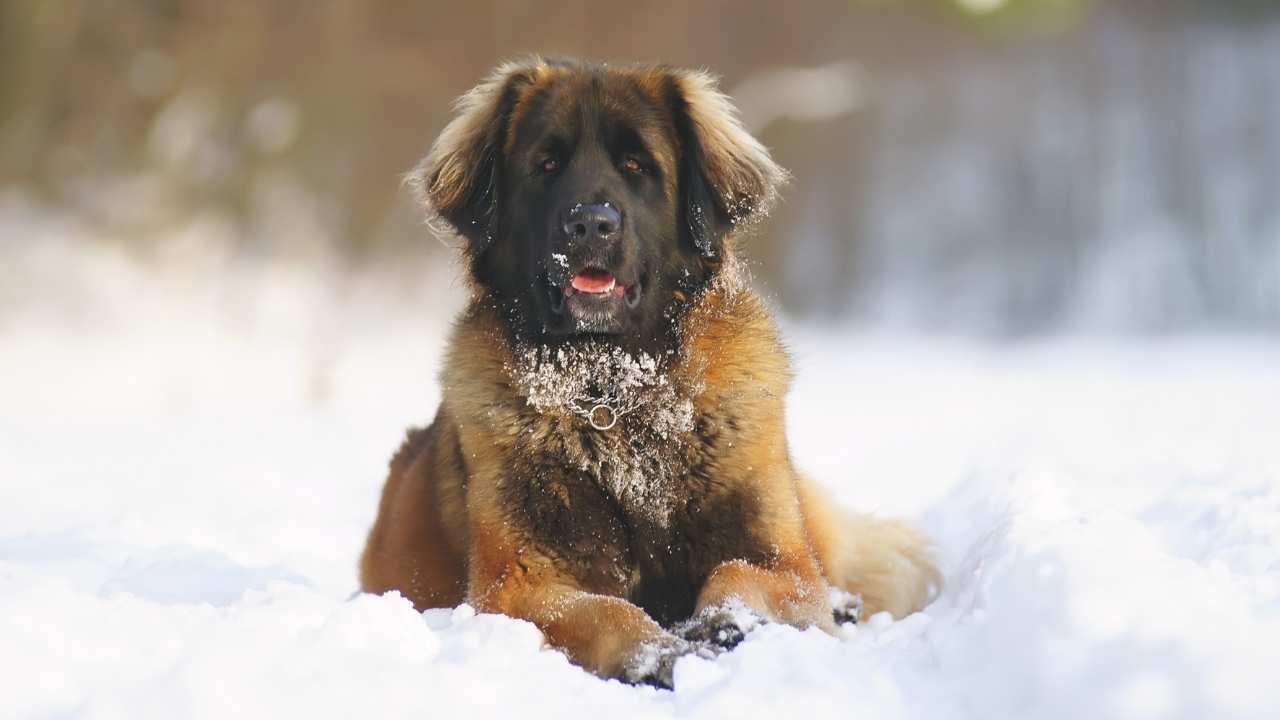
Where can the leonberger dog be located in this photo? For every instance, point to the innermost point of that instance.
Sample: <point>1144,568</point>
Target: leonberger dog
<point>609,459</point>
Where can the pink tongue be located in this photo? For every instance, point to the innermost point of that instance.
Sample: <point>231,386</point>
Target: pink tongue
<point>594,281</point>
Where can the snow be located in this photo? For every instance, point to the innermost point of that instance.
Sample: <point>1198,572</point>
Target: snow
<point>189,461</point>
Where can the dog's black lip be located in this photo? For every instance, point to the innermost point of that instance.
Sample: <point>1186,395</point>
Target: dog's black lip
<point>557,297</point>
<point>555,284</point>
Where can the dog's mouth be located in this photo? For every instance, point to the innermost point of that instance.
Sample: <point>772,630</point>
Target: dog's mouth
<point>592,295</point>
<point>595,281</point>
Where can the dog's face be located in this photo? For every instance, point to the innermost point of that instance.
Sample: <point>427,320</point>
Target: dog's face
<point>596,202</point>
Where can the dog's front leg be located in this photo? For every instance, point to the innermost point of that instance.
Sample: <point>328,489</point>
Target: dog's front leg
<point>791,592</point>
<point>604,634</point>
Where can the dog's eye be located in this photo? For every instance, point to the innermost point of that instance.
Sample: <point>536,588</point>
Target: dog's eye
<point>633,165</point>
<point>549,165</point>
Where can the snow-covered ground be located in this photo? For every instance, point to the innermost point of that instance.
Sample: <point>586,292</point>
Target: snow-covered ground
<point>190,456</point>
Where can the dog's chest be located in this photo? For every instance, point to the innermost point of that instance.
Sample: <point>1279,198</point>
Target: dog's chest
<point>639,468</point>
<point>631,511</point>
<point>641,507</point>
<point>618,422</point>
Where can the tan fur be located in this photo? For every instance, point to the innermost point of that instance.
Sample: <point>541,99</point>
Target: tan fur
<point>418,547</point>
<point>885,561</point>
<point>508,506</point>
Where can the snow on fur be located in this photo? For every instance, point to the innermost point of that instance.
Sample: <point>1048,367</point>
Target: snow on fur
<point>635,391</point>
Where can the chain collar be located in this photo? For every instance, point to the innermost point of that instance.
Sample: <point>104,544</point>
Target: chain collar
<point>599,407</point>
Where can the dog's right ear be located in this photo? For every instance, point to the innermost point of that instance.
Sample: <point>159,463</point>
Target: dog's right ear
<point>458,180</point>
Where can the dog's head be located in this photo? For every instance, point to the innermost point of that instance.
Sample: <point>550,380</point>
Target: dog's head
<point>596,201</point>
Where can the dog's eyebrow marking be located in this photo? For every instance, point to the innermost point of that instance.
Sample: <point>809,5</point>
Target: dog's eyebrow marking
<point>657,145</point>
<point>553,143</point>
<point>644,120</point>
<point>631,139</point>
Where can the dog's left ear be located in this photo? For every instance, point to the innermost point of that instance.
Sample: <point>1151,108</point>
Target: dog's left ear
<point>458,180</point>
<point>727,178</point>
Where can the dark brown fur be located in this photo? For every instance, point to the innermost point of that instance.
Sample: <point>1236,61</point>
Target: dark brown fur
<point>505,505</point>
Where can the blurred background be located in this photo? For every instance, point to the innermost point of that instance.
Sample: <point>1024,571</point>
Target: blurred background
<point>1028,270</point>
<point>993,167</point>
<point>202,203</point>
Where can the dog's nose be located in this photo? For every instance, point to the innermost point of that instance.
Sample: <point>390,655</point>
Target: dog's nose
<point>588,222</point>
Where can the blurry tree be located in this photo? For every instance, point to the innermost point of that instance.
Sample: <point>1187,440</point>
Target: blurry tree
<point>1008,165</point>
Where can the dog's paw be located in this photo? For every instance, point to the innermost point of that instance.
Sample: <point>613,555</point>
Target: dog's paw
<point>655,662</point>
<point>845,607</point>
<point>722,626</point>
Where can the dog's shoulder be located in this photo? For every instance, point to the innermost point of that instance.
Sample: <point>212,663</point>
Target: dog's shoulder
<point>731,347</point>
<point>475,374</point>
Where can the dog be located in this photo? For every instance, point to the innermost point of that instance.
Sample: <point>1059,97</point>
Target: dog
<point>608,460</point>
